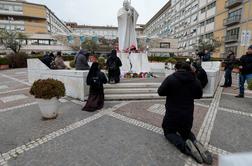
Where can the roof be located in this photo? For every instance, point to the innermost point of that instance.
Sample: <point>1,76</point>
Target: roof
<point>161,11</point>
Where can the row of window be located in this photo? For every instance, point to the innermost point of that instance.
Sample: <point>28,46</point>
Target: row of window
<point>208,21</point>
<point>7,7</point>
<point>210,6</point>
<point>12,27</point>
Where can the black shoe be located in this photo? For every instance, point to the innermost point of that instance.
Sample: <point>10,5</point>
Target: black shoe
<point>192,150</point>
<point>205,154</point>
<point>240,96</point>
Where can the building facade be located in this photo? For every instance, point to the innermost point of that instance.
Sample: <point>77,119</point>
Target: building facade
<point>108,32</point>
<point>192,20</point>
<point>32,19</point>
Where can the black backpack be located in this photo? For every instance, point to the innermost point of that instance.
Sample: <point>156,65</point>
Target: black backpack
<point>112,65</point>
<point>96,82</point>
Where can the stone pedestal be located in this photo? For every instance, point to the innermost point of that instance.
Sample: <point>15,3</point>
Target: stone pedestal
<point>134,62</point>
<point>74,80</point>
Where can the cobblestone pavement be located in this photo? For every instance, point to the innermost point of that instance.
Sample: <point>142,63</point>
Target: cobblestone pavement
<point>123,133</point>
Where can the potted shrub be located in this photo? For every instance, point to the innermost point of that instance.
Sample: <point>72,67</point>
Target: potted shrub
<point>48,92</point>
<point>4,63</point>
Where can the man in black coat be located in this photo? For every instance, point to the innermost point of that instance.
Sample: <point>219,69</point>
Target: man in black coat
<point>245,71</point>
<point>180,89</point>
<point>113,64</point>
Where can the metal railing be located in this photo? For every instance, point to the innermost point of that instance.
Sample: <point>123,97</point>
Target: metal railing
<point>233,3</point>
<point>232,38</point>
<point>232,20</point>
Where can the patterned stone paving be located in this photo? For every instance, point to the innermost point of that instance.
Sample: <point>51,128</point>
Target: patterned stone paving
<point>123,133</point>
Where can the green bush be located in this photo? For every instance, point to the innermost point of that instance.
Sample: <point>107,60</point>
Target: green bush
<point>18,60</point>
<point>68,58</point>
<point>48,89</point>
<point>250,84</point>
<point>72,64</point>
<point>102,62</point>
<point>166,59</point>
<point>171,60</point>
<point>4,61</point>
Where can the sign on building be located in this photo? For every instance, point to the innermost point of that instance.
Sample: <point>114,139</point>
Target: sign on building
<point>245,38</point>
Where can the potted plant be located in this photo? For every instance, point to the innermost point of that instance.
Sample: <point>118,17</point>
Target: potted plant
<point>4,63</point>
<point>48,92</point>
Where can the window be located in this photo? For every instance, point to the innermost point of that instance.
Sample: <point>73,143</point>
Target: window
<point>209,21</point>
<point>212,5</point>
<point>209,35</point>
<point>165,45</point>
<point>233,32</point>
<point>202,24</point>
<point>18,8</point>
<point>235,13</point>
<point>203,10</point>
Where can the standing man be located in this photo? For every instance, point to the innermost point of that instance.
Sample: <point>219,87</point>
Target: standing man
<point>229,65</point>
<point>180,89</point>
<point>245,71</point>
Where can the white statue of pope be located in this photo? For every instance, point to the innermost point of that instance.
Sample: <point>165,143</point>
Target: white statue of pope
<point>127,19</point>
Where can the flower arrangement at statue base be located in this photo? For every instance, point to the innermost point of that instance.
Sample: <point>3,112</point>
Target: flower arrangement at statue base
<point>130,75</point>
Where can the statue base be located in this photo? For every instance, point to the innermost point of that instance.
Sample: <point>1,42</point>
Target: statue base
<point>134,62</point>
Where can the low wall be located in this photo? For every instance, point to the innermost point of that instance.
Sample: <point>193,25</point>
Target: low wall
<point>74,80</point>
<point>213,74</point>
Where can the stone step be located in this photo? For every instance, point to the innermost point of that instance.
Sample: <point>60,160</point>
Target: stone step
<point>131,85</point>
<point>130,91</point>
<point>148,96</point>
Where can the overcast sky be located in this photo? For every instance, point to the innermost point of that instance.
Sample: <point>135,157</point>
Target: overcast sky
<point>100,12</point>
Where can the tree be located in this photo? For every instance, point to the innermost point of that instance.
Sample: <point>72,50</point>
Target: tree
<point>89,45</point>
<point>12,40</point>
<point>208,44</point>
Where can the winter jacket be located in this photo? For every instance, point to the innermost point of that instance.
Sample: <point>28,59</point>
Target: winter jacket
<point>229,62</point>
<point>81,62</point>
<point>246,63</point>
<point>59,63</point>
<point>180,89</point>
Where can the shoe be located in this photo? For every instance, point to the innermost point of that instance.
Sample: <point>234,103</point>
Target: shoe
<point>192,150</point>
<point>239,96</point>
<point>205,154</point>
<point>224,86</point>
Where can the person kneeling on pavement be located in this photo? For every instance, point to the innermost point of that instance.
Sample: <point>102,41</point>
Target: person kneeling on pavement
<point>180,89</point>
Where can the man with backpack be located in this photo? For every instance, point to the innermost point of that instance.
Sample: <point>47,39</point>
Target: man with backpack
<point>113,64</point>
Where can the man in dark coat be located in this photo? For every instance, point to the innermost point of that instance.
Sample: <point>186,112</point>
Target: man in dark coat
<point>81,61</point>
<point>180,89</point>
<point>48,59</point>
<point>245,71</point>
<point>113,64</point>
<point>229,65</point>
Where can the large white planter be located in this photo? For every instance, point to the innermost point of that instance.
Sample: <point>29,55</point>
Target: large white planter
<point>49,108</point>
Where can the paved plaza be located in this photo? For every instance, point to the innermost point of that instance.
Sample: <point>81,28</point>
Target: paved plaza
<point>125,133</point>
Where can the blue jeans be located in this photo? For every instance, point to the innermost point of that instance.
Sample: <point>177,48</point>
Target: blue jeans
<point>228,77</point>
<point>242,79</point>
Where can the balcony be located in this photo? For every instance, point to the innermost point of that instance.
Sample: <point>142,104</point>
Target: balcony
<point>231,38</point>
<point>232,20</point>
<point>233,3</point>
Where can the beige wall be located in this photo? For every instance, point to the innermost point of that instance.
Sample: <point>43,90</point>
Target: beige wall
<point>35,21</point>
<point>31,27</point>
<point>34,10</point>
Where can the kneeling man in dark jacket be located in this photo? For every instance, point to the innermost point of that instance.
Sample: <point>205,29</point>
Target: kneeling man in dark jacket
<point>180,89</point>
